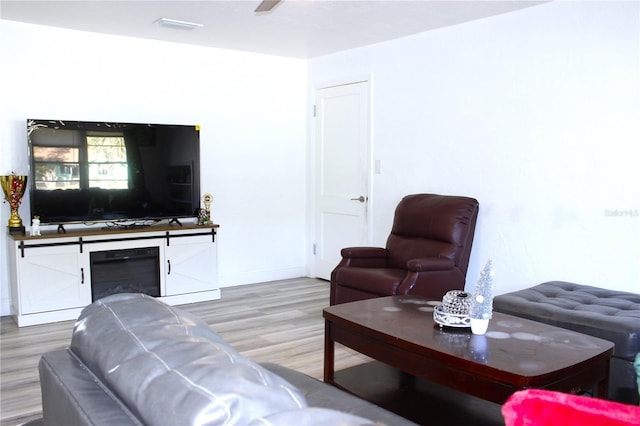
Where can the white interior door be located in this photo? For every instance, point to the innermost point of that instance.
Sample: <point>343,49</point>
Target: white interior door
<point>342,172</point>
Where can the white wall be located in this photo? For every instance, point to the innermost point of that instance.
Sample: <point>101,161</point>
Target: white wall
<point>536,114</point>
<point>252,109</point>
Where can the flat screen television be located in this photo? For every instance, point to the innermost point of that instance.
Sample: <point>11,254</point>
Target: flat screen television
<point>88,172</point>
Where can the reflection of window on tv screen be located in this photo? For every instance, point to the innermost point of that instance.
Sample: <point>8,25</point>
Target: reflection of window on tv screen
<point>59,167</point>
<point>56,168</point>
<point>94,171</point>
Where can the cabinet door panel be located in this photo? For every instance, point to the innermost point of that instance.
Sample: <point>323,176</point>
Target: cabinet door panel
<point>53,278</point>
<point>190,265</point>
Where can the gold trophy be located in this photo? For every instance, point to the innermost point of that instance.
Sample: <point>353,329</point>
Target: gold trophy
<point>13,187</point>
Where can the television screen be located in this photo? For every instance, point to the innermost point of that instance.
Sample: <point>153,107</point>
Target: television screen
<point>84,171</point>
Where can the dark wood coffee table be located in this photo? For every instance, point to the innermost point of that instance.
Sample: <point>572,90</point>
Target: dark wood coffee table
<point>515,353</point>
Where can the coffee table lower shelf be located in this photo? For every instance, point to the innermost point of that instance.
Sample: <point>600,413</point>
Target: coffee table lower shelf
<point>418,400</point>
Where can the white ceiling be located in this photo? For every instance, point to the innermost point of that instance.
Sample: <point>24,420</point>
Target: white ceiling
<point>294,28</point>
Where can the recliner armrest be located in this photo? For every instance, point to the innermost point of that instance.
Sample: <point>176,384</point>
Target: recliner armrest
<point>364,252</point>
<point>430,264</point>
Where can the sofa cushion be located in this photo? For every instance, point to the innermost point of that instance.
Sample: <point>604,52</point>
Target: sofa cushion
<point>322,395</point>
<point>312,416</point>
<point>377,280</point>
<point>170,368</point>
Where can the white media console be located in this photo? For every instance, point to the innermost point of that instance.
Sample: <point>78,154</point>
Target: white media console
<point>52,274</point>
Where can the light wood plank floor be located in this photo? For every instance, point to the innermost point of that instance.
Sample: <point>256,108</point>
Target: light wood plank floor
<point>279,322</point>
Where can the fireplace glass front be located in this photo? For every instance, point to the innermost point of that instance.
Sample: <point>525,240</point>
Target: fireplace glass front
<point>135,270</point>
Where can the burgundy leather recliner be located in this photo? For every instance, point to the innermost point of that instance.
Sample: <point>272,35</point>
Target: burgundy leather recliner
<point>427,253</point>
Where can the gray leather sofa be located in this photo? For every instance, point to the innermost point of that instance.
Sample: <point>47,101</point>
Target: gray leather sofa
<point>134,360</point>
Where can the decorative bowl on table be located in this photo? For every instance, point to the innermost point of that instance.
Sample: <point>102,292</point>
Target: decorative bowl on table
<point>454,310</point>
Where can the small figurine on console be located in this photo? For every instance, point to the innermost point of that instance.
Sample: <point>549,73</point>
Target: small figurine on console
<point>35,226</point>
<point>205,214</point>
<point>203,219</point>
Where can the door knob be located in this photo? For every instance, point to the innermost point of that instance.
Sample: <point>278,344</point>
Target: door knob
<point>360,198</point>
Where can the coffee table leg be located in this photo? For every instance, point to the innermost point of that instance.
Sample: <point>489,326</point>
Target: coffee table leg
<point>329,354</point>
<point>601,389</point>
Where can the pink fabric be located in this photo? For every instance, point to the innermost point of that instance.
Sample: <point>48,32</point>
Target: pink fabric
<point>535,407</point>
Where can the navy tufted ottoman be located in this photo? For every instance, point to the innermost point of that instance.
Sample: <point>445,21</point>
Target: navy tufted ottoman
<point>607,314</point>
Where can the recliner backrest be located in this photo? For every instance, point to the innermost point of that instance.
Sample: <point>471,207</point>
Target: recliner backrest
<point>431,225</point>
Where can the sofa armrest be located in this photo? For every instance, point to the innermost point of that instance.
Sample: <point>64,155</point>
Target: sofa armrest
<point>362,257</point>
<point>72,395</point>
<point>426,264</point>
<point>364,252</point>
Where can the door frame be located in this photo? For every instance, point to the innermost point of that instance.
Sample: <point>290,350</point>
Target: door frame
<point>312,173</point>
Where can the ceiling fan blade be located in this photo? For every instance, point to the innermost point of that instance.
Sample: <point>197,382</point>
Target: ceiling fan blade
<point>267,5</point>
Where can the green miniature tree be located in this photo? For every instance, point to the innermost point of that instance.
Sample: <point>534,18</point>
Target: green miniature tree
<point>482,303</point>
